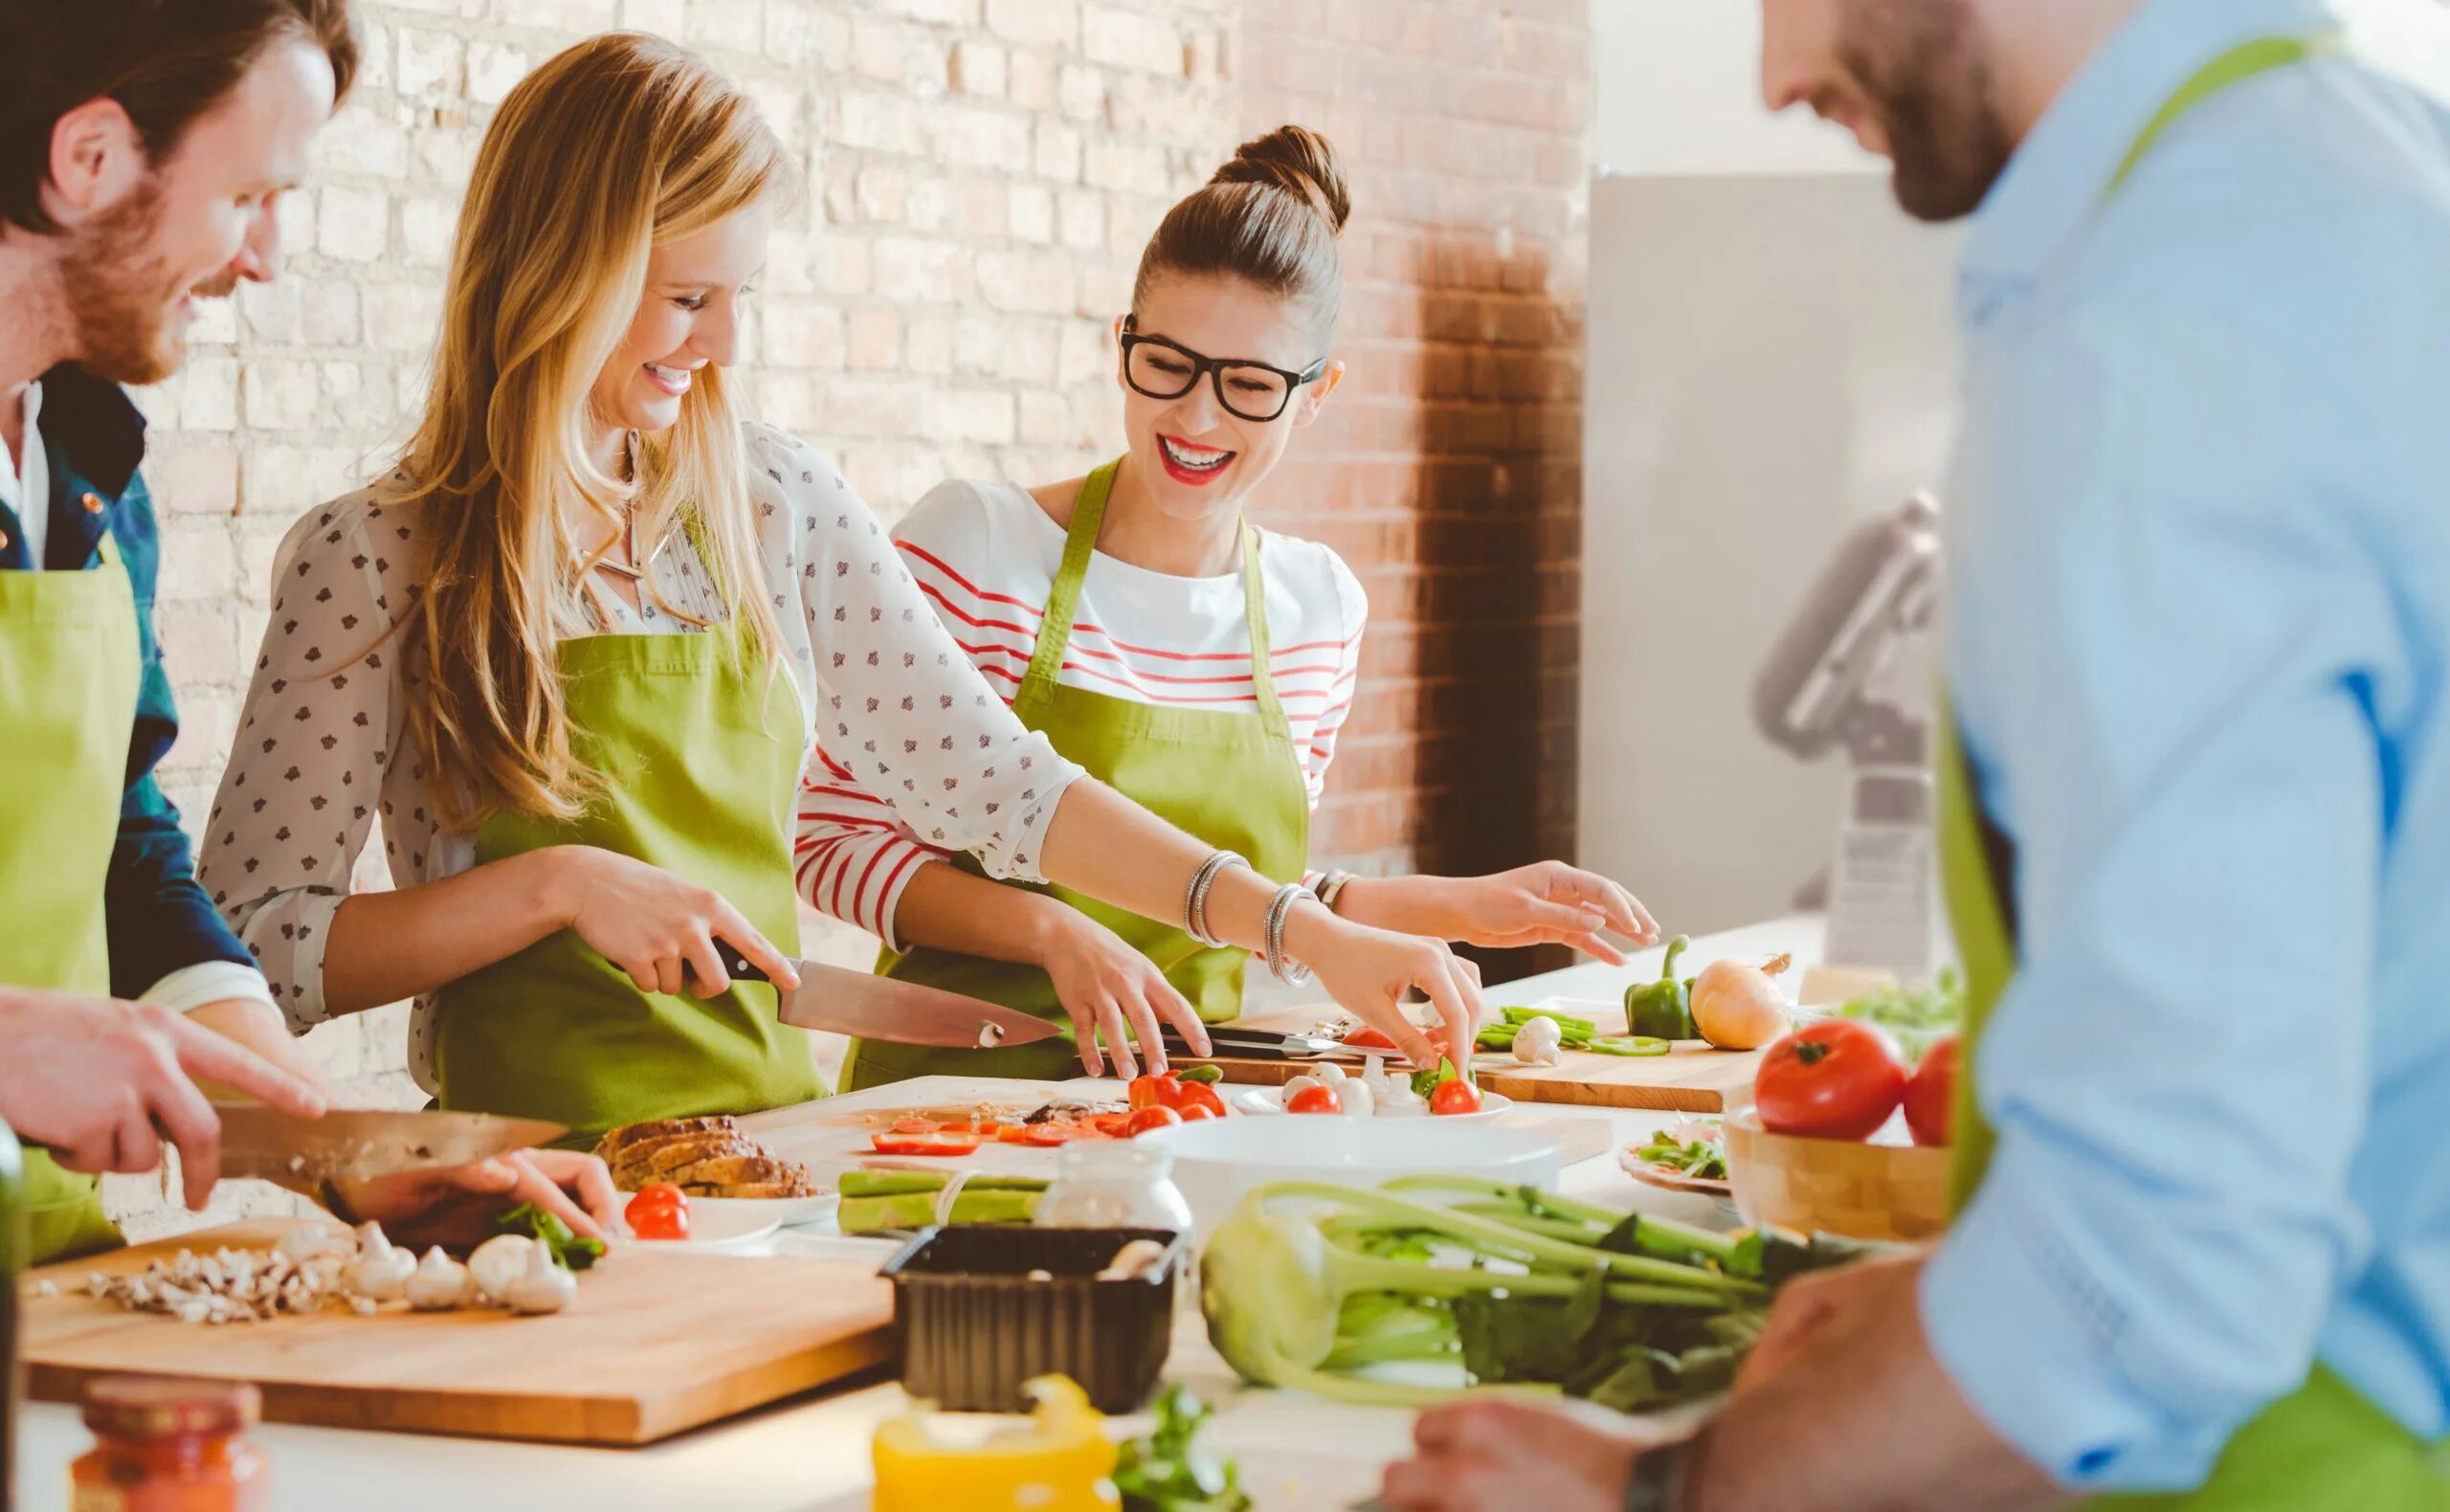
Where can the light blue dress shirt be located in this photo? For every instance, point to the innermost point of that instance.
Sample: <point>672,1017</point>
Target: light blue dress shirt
<point>2200,591</point>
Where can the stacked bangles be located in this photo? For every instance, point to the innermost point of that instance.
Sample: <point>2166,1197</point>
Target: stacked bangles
<point>1280,911</point>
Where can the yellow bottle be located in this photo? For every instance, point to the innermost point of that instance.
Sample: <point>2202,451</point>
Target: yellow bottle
<point>1061,1461</point>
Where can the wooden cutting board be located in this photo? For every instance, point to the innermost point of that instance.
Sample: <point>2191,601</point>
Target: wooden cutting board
<point>658,1341</point>
<point>1691,1077</point>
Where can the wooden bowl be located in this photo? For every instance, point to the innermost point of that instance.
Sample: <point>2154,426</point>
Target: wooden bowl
<point>1821,1185</point>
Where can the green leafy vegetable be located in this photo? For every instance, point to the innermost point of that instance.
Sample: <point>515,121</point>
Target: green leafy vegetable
<point>1306,1285</point>
<point>1204,1074</point>
<point>1915,1016</point>
<point>1170,1471</point>
<point>1702,1158</point>
<point>569,1251</point>
<point>1425,1082</point>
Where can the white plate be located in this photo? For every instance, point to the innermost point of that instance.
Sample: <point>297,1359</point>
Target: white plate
<point>714,1225</point>
<point>1217,1159</point>
<point>1271,1100</point>
<point>789,1212</point>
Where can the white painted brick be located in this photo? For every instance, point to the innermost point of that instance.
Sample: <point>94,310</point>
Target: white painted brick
<point>803,335</point>
<point>360,142</point>
<point>662,17</point>
<point>1030,80</point>
<point>572,18</point>
<point>356,224</point>
<point>431,63</point>
<point>982,136</point>
<point>1058,152</point>
<point>216,323</point>
<point>927,204</point>
<point>1080,90</point>
<point>277,480</point>
<point>1130,39</point>
<point>198,561</point>
<point>428,225</point>
<point>1046,23</point>
<point>888,122</point>
<point>209,394</point>
<point>330,314</point>
<point>736,25</point>
<point>928,343</point>
<point>402,317</point>
<point>1033,213</point>
<point>985,415</point>
<point>494,69</point>
<point>1083,214</point>
<point>941,12</point>
<point>271,312</point>
<point>293,219</point>
<point>979,68</point>
<point>278,395</point>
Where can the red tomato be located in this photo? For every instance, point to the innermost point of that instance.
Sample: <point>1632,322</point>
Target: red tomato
<point>1834,1079</point>
<point>1361,1036</point>
<point>1455,1096</point>
<point>1012,1133</point>
<point>1190,1095</point>
<point>1315,1100</point>
<point>1051,1133</point>
<point>1193,1112</point>
<point>661,1191</point>
<point>1118,1125</point>
<point>1147,1119</point>
<point>1930,1094</point>
<point>1158,1089</point>
<point>916,1126</point>
<point>658,1218</point>
<point>924,1144</point>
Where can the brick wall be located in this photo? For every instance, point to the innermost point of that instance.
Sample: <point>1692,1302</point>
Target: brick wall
<point>981,176</point>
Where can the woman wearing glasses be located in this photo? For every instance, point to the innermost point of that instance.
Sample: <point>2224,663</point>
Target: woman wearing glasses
<point>1124,616</point>
<point>574,654</point>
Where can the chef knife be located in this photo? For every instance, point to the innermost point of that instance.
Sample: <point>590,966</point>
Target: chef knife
<point>354,1145</point>
<point>872,1006</point>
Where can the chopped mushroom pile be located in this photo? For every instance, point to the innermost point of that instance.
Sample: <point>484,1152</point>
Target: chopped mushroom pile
<point>315,1268</point>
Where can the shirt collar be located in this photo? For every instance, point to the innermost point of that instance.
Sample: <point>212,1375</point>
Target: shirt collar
<point>27,463</point>
<point>2056,181</point>
<point>89,424</point>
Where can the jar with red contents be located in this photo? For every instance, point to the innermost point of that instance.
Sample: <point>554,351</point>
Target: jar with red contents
<point>171,1446</point>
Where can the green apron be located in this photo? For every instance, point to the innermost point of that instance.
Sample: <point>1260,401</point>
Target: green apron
<point>1234,780</point>
<point>68,670</point>
<point>2326,1448</point>
<point>700,752</point>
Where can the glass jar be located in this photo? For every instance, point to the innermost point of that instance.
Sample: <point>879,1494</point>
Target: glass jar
<point>171,1446</point>
<point>1113,1184</point>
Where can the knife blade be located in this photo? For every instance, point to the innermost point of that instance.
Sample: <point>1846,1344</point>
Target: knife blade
<point>354,1145</point>
<point>872,1006</point>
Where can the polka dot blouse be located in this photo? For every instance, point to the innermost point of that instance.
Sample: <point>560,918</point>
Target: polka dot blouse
<point>322,753</point>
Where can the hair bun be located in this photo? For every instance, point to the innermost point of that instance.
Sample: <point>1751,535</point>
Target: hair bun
<point>1298,160</point>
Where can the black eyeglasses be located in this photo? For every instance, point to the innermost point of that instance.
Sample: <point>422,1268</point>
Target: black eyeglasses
<point>1254,391</point>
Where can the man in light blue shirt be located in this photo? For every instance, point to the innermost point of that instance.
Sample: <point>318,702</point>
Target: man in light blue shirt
<point>2201,638</point>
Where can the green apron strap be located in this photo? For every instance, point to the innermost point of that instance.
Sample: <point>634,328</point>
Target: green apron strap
<point>1985,948</point>
<point>1064,597</point>
<point>2250,59</point>
<point>1262,657</point>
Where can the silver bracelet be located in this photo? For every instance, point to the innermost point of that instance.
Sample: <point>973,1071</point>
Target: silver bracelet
<point>1331,886</point>
<point>1280,908</point>
<point>1195,897</point>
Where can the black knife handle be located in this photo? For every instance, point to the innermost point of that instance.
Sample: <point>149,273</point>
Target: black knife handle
<point>740,968</point>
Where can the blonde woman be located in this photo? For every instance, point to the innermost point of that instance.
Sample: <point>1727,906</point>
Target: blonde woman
<point>574,653</point>
<point>1126,615</point>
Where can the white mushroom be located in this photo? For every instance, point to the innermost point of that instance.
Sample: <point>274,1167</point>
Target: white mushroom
<point>381,1272</point>
<point>543,1288</point>
<point>500,1262</point>
<point>303,1244</point>
<point>1360,1101</point>
<point>438,1284</point>
<point>1540,1041</point>
<point>1294,1086</point>
<point>1330,1075</point>
<point>1133,1261</point>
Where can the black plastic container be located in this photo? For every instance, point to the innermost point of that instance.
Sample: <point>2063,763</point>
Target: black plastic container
<point>973,1325</point>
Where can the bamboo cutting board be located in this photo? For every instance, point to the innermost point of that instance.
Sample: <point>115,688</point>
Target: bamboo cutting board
<point>658,1341</point>
<point>1692,1078</point>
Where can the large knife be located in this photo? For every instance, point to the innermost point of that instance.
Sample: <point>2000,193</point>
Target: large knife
<point>348,1144</point>
<point>872,1006</point>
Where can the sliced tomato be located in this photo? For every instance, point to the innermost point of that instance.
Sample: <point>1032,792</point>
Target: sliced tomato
<point>1118,1125</point>
<point>1361,1036</point>
<point>1197,1095</point>
<point>1315,1100</point>
<point>1012,1133</point>
<point>1193,1112</point>
<point>916,1126</point>
<point>1053,1133</point>
<point>1159,1089</point>
<point>1147,1119</point>
<point>1457,1096</point>
<point>936,1144</point>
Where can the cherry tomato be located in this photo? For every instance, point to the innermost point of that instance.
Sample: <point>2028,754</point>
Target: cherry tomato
<point>1193,1112</point>
<point>937,1144</point>
<point>1315,1100</point>
<point>1362,1036</point>
<point>1198,1095</point>
<point>659,1219</point>
<point>1455,1096</point>
<point>1832,1080</point>
<point>1147,1119</point>
<point>1930,1093</point>
<point>662,1191</point>
<point>1161,1089</point>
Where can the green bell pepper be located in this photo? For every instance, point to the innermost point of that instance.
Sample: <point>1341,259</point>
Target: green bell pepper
<point>1662,1009</point>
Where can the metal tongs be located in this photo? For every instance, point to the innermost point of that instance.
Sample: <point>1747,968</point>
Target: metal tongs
<point>1262,1044</point>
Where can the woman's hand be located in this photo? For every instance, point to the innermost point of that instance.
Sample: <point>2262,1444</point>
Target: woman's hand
<point>1105,984</point>
<point>456,1206</point>
<point>1369,970</point>
<point>1545,904</point>
<point>660,928</point>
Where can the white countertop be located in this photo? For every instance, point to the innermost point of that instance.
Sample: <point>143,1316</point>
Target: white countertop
<point>812,1454</point>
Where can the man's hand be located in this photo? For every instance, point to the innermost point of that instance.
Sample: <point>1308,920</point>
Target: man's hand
<point>456,1206</point>
<point>1815,1308</point>
<point>1498,1456</point>
<point>102,1082</point>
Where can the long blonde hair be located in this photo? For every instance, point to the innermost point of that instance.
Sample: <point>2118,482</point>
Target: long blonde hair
<point>617,145</point>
